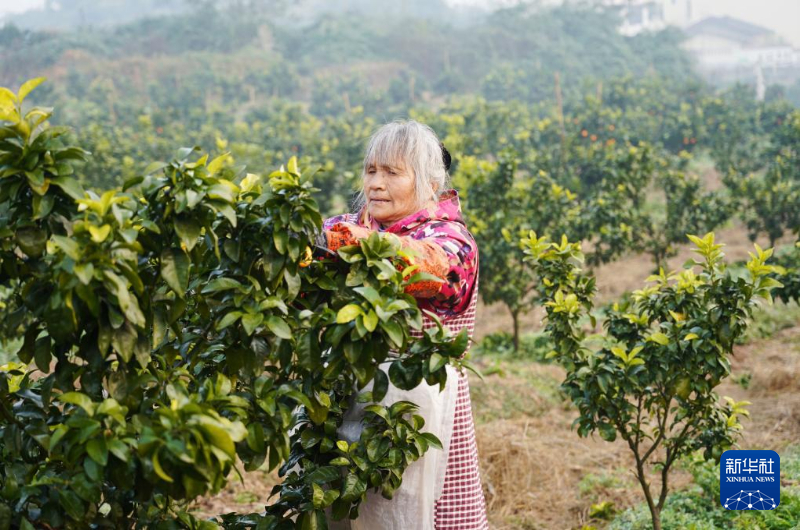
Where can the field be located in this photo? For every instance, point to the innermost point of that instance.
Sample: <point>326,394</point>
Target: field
<point>538,474</point>
<point>174,329</point>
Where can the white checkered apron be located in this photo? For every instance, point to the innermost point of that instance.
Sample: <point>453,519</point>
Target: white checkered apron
<point>462,505</point>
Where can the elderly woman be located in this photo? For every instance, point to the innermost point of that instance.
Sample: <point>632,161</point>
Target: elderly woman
<point>405,192</point>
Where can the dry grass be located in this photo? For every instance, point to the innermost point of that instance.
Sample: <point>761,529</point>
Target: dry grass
<point>537,472</point>
<point>774,389</point>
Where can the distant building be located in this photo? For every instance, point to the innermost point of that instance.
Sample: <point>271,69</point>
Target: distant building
<point>729,50</point>
<point>726,49</point>
<point>650,15</point>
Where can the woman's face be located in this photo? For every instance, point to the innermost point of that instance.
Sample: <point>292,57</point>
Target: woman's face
<point>390,192</point>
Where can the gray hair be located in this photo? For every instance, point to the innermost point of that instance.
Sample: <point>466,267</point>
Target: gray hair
<point>418,148</point>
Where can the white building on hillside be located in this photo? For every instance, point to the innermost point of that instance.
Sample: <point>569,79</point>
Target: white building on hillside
<point>729,50</point>
<point>650,15</point>
<point>726,49</point>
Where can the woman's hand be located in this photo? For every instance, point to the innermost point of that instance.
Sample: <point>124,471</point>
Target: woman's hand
<point>327,242</point>
<point>429,257</point>
<point>343,234</point>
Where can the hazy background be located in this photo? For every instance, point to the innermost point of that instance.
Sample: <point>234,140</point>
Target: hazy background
<point>782,16</point>
<point>266,80</point>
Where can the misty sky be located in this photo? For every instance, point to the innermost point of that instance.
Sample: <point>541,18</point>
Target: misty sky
<point>782,16</point>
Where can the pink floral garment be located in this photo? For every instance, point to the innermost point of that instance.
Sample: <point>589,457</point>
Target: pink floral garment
<point>461,505</point>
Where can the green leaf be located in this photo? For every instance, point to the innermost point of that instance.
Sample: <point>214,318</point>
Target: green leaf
<point>380,385</point>
<point>97,450</point>
<point>394,331</point>
<point>142,350</point>
<point>329,497</point>
<point>124,341</point>
<point>281,240</point>
<point>216,164</point>
<point>188,230</point>
<point>619,352</point>
<point>311,521</point>
<point>370,320</point>
<point>158,469</point>
<point>57,435</point>
<point>348,313</point>
<point>42,205</point>
<point>251,321</point>
<point>279,327</point>
<point>99,234</point>
<point>435,362</point>
<point>659,337</point>
<point>322,499</point>
<point>85,273</point>
<point>42,354</point>
<point>175,270</point>
<point>229,319</point>
<point>255,437</point>
<point>308,351</point>
<point>72,504</point>
<point>353,489</point>
<point>86,489</point>
<point>293,282</point>
<point>28,86</point>
<point>153,167</point>
<point>432,440</point>
<point>127,303</point>
<point>79,399</point>
<point>221,284</point>
<point>369,293</point>
<point>219,436</point>
<point>31,240</point>
<point>8,105</point>
<point>69,246</point>
<point>119,449</point>
<point>300,398</point>
<point>131,182</point>
<point>607,432</point>
<point>376,448</point>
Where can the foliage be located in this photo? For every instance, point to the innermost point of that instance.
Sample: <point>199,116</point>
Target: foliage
<point>667,349</point>
<point>501,204</point>
<point>789,276</point>
<point>177,325</point>
<point>771,202</point>
<point>769,193</point>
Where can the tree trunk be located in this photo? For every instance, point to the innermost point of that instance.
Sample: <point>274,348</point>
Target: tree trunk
<point>515,316</point>
<point>656,520</point>
<point>655,512</point>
